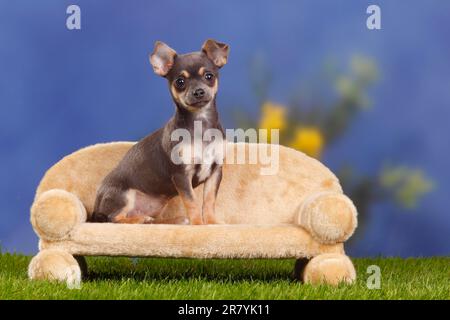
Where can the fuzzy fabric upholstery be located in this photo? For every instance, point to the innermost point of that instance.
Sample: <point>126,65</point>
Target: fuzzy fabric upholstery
<point>329,269</point>
<point>330,217</point>
<point>298,212</point>
<point>55,265</point>
<point>55,213</point>
<point>205,241</point>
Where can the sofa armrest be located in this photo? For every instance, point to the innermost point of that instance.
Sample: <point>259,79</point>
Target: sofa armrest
<point>55,213</point>
<point>330,217</point>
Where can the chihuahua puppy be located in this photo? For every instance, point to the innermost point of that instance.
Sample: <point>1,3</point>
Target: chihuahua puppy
<point>139,188</point>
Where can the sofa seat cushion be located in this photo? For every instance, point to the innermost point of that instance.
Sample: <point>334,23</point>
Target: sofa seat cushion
<point>204,241</point>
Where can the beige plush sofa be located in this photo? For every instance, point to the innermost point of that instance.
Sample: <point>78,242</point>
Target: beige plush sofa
<point>300,213</point>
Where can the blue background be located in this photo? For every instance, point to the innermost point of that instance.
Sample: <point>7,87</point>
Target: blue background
<point>61,90</point>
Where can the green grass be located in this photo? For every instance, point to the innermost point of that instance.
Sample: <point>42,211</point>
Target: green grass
<point>119,278</point>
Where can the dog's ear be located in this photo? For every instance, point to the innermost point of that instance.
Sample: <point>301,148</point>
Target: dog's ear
<point>162,58</point>
<point>217,52</point>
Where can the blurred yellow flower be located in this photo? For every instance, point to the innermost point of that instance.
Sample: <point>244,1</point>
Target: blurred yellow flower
<point>310,140</point>
<point>273,116</point>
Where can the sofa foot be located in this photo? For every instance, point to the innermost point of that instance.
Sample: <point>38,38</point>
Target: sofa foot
<point>328,268</point>
<point>53,264</point>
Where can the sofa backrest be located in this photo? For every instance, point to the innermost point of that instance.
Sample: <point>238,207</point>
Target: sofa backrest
<point>245,195</point>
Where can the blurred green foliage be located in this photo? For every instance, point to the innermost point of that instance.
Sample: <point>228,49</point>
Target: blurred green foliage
<point>405,185</point>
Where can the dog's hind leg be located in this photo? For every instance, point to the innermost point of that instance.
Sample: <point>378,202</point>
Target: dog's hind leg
<point>108,203</point>
<point>139,208</point>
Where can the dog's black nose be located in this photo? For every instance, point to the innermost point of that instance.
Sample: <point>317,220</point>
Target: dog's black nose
<point>199,93</point>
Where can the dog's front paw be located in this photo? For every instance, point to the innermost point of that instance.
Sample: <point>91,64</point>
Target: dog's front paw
<point>149,220</point>
<point>183,220</point>
<point>196,221</point>
<point>211,220</point>
<point>210,217</point>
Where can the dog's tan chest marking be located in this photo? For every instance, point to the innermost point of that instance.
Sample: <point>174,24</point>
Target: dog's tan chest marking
<point>204,172</point>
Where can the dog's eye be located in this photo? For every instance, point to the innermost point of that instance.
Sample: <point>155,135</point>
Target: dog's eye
<point>209,76</point>
<point>180,83</point>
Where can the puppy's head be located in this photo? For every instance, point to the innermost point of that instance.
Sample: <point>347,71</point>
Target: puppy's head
<point>192,77</point>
